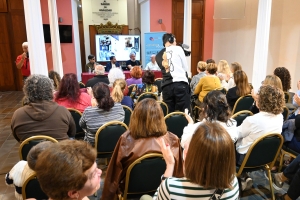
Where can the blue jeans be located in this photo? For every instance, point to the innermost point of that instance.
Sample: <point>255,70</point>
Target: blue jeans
<point>292,172</point>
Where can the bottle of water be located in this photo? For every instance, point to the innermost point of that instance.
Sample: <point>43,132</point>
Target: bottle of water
<point>89,70</point>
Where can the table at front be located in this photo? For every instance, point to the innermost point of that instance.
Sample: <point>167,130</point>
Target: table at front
<point>85,76</point>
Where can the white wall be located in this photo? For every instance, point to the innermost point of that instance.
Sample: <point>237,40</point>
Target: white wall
<point>234,40</point>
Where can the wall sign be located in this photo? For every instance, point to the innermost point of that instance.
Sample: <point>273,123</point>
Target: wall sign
<point>107,10</point>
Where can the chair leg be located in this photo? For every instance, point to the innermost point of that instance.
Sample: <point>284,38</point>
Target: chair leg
<point>270,182</point>
<point>281,161</point>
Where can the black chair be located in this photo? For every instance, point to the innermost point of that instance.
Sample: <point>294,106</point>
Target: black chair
<point>128,113</point>
<point>287,97</point>
<point>130,88</point>
<point>243,103</point>
<point>262,154</point>
<point>107,137</point>
<point>285,150</point>
<point>285,113</point>
<point>76,114</point>
<point>81,84</point>
<point>240,116</point>
<point>143,176</point>
<point>223,90</point>
<point>164,107</point>
<point>32,189</point>
<point>147,95</point>
<point>176,122</point>
<point>27,144</point>
<point>158,82</point>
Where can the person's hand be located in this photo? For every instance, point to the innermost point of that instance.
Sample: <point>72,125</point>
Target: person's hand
<point>166,151</point>
<point>297,99</point>
<point>89,91</point>
<point>254,95</point>
<point>298,85</point>
<point>24,55</point>
<point>220,77</point>
<point>188,118</point>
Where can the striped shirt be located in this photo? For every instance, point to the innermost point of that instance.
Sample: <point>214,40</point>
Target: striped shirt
<point>183,189</point>
<point>94,117</point>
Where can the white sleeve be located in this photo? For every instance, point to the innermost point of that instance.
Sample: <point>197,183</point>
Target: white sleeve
<point>230,83</point>
<point>188,133</point>
<point>147,67</point>
<point>183,59</point>
<point>224,84</point>
<point>245,128</point>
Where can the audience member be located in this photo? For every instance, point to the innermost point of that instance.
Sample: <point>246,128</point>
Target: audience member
<point>291,133</point>
<point>22,61</point>
<point>55,77</point>
<point>292,173</point>
<point>296,102</point>
<point>68,170</point>
<point>235,66</point>
<point>136,74</point>
<point>146,124</point>
<point>90,66</point>
<point>147,85</point>
<point>99,76</point>
<point>132,62</point>
<point>152,65</point>
<point>240,89</point>
<point>201,68</point>
<point>41,116</point>
<point>103,110</point>
<point>210,61</point>
<point>285,77</point>
<point>216,109</point>
<point>209,167</point>
<point>207,83</point>
<point>113,75</point>
<point>225,74</point>
<point>69,94</point>
<point>117,93</point>
<point>24,169</point>
<point>112,64</point>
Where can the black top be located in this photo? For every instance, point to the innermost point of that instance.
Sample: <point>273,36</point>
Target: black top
<point>96,79</point>
<point>167,77</point>
<point>232,97</point>
<point>297,130</point>
<point>133,63</point>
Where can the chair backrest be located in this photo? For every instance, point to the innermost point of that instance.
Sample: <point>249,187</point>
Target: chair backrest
<point>107,137</point>
<point>147,95</point>
<point>157,82</point>
<point>240,116</point>
<point>76,114</point>
<point>164,107</point>
<point>176,122</point>
<point>27,144</point>
<point>143,176</point>
<point>221,89</point>
<point>32,189</point>
<point>130,88</point>
<point>128,113</point>
<point>196,113</point>
<point>287,97</point>
<point>243,103</point>
<point>81,84</point>
<point>264,150</point>
<point>285,113</point>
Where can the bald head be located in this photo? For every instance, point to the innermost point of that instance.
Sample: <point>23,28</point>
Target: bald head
<point>99,70</point>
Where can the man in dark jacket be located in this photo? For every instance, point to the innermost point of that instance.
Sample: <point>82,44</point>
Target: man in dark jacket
<point>99,77</point>
<point>112,64</point>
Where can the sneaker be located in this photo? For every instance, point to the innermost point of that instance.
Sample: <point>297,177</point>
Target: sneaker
<point>247,184</point>
<point>276,183</point>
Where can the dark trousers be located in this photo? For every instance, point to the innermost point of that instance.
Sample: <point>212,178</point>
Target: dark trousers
<point>292,172</point>
<point>177,96</point>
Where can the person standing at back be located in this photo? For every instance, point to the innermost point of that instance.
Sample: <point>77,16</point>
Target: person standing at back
<point>22,61</point>
<point>175,86</point>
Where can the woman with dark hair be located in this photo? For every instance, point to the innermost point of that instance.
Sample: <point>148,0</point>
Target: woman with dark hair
<point>209,164</point>
<point>55,77</point>
<point>285,77</point>
<point>146,86</point>
<point>146,124</point>
<point>103,110</point>
<point>216,109</point>
<point>241,88</point>
<point>136,74</point>
<point>69,94</point>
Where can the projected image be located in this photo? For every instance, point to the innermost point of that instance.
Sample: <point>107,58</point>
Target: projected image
<point>117,45</point>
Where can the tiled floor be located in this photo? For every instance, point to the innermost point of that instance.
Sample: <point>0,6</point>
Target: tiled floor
<point>10,101</point>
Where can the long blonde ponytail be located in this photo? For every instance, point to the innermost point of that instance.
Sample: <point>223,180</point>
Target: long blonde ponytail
<point>117,93</point>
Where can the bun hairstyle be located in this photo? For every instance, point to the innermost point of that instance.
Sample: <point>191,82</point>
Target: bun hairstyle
<point>102,95</point>
<point>117,93</point>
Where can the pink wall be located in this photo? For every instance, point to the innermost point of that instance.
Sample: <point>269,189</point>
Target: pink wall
<point>208,29</point>
<point>161,9</point>
<point>64,10</point>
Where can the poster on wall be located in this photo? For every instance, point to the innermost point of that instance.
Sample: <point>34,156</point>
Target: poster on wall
<point>108,10</point>
<point>153,44</point>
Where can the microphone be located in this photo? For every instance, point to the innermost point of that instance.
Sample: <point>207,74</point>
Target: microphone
<point>185,46</point>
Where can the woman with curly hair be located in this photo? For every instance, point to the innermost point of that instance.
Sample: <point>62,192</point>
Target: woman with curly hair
<point>136,74</point>
<point>69,94</point>
<point>285,77</point>
<point>103,110</point>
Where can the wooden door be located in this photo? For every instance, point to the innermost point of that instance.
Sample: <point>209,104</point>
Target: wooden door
<point>197,29</point>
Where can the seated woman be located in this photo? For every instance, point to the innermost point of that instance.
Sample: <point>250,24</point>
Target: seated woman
<point>24,169</point>
<point>68,170</point>
<point>216,109</point>
<point>55,77</point>
<point>224,73</point>
<point>117,93</point>
<point>241,88</point>
<point>207,83</point>
<point>41,116</point>
<point>136,74</point>
<point>69,94</point>
<point>146,86</point>
<point>209,163</point>
<point>113,75</point>
<point>201,68</point>
<point>103,110</point>
<point>285,77</point>
<point>146,124</point>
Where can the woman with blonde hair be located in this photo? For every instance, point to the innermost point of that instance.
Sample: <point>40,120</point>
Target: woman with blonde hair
<point>225,75</point>
<point>117,93</point>
<point>201,67</point>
